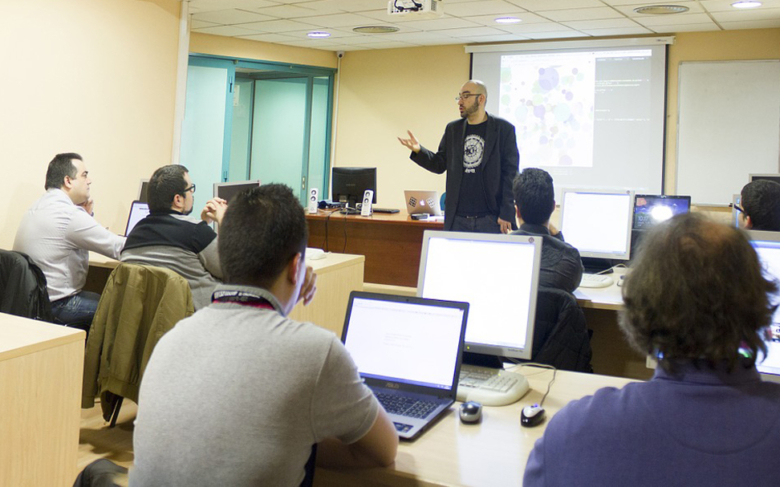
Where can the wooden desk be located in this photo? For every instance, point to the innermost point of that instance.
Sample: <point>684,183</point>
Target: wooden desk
<point>392,243</point>
<point>40,401</point>
<point>337,276</point>
<point>491,453</point>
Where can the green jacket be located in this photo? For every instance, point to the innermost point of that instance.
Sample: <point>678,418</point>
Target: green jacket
<point>137,307</point>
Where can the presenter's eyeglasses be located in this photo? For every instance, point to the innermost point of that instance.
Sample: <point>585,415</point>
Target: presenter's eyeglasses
<point>191,188</point>
<point>465,96</point>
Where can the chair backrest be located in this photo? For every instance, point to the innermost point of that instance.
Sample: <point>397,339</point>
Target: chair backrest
<point>139,305</point>
<point>23,287</point>
<point>561,335</point>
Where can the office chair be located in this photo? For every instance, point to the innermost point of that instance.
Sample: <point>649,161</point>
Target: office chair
<point>138,306</point>
<point>23,287</point>
<point>561,336</point>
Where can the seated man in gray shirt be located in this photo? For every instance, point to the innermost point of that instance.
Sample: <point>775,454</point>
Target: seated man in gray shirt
<point>169,238</point>
<point>535,202</point>
<point>238,393</point>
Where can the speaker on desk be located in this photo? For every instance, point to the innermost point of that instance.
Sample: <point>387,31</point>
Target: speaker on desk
<point>367,208</point>
<point>313,203</point>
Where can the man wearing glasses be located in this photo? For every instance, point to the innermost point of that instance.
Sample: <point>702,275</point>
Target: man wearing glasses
<point>58,232</point>
<point>169,238</point>
<point>479,153</point>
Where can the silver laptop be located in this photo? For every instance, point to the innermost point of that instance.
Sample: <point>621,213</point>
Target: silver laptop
<point>422,202</point>
<point>138,211</point>
<point>408,352</point>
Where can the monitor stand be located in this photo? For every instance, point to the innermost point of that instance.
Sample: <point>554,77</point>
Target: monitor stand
<point>349,206</point>
<point>597,266</point>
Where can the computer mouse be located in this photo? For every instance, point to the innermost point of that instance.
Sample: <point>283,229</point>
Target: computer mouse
<point>532,415</point>
<point>620,281</point>
<point>470,412</point>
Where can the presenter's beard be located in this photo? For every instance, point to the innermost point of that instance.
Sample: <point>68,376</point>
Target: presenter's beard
<point>467,111</point>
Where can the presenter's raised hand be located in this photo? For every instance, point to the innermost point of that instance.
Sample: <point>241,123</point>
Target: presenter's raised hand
<point>89,206</point>
<point>410,143</point>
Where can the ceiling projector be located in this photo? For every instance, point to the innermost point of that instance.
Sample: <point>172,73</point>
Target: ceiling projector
<point>416,8</point>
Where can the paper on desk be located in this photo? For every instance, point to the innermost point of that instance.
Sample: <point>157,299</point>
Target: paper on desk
<point>605,295</point>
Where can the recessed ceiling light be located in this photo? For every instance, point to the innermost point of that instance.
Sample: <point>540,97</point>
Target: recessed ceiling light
<point>318,34</point>
<point>661,9</point>
<point>508,20</point>
<point>375,29</point>
<point>746,4</point>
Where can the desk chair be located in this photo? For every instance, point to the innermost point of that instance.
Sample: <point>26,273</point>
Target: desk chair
<point>138,306</point>
<point>561,337</point>
<point>23,287</point>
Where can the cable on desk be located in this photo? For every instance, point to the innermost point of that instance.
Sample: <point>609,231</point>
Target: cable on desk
<point>541,366</point>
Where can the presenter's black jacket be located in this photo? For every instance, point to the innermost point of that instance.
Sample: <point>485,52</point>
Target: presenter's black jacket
<point>500,163</point>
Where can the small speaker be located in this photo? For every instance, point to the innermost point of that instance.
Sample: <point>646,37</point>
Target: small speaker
<point>313,200</point>
<point>367,209</point>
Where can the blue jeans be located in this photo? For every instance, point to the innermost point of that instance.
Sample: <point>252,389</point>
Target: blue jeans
<point>481,224</point>
<point>77,310</point>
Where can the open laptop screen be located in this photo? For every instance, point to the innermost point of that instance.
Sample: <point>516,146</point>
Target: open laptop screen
<point>650,210</point>
<point>412,341</point>
<point>767,245</point>
<point>138,211</point>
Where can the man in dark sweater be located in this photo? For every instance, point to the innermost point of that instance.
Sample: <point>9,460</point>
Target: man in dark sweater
<point>535,202</point>
<point>169,238</point>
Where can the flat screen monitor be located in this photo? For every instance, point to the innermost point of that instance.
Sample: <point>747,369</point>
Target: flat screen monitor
<point>765,177</point>
<point>498,275</point>
<point>226,191</point>
<point>598,223</point>
<point>651,209</point>
<point>143,191</point>
<point>349,184</point>
<point>767,245</point>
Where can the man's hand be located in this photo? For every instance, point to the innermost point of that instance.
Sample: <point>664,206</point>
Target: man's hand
<point>506,226</point>
<point>410,143</point>
<point>88,206</point>
<point>214,211</point>
<point>309,286</point>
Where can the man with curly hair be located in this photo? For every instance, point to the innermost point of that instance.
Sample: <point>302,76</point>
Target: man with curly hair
<point>698,302</point>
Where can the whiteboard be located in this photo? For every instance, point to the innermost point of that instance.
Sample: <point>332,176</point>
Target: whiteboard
<point>728,127</point>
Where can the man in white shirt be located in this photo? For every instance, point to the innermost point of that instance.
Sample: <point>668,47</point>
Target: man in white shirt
<point>58,231</point>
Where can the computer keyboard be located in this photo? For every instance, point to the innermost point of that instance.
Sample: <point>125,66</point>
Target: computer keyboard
<point>596,280</point>
<point>491,387</point>
<point>405,406</point>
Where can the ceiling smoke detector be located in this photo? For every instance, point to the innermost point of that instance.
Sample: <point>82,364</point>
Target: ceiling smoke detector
<point>661,9</point>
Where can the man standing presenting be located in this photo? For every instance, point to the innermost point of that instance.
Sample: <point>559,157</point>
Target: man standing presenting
<point>479,153</point>
<point>58,232</point>
<point>169,238</point>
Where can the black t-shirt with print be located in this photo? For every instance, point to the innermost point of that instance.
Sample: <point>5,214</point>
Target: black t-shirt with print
<point>471,201</point>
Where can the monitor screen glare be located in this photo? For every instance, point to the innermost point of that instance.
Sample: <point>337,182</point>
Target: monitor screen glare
<point>650,210</point>
<point>598,224</point>
<point>497,275</point>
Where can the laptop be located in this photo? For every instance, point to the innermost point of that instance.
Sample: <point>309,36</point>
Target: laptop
<point>767,246</point>
<point>138,211</point>
<point>651,209</point>
<point>408,352</point>
<point>422,202</point>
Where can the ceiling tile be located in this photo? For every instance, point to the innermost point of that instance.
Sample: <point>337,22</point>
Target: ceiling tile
<point>234,16</point>
<point>725,5</point>
<point>287,11</point>
<point>274,26</point>
<point>581,14</point>
<point>442,23</point>
<point>539,5</point>
<point>751,24</point>
<point>198,24</point>
<point>210,5</point>
<point>679,19</point>
<point>525,18</point>
<point>671,29</point>
<point>622,31</point>
<point>693,8</point>
<point>555,35</point>
<point>744,15</point>
<point>269,38</point>
<point>489,7</point>
<point>336,20</point>
<point>496,38</point>
<point>540,27</point>
<point>225,30</point>
<point>600,24</point>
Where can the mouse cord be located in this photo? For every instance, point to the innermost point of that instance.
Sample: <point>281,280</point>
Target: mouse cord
<point>542,366</point>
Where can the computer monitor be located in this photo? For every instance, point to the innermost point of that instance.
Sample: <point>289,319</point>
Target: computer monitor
<point>652,209</point>
<point>143,191</point>
<point>498,275</point>
<point>598,223</point>
<point>226,191</point>
<point>138,211</point>
<point>349,184</point>
<point>767,245</point>
<point>765,177</point>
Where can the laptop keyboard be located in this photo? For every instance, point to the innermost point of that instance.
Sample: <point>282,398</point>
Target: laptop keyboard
<point>405,406</point>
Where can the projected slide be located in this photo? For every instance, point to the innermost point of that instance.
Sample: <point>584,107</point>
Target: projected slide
<point>550,98</point>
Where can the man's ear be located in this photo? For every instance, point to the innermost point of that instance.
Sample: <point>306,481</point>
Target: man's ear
<point>748,222</point>
<point>294,268</point>
<point>67,182</point>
